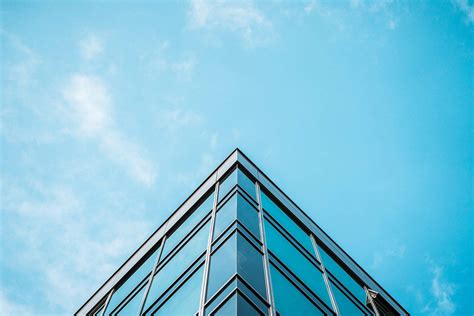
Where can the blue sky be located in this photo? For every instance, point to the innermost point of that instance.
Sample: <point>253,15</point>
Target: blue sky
<point>112,113</point>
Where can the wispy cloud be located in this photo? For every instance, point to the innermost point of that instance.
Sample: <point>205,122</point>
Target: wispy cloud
<point>89,110</point>
<point>59,244</point>
<point>442,292</point>
<point>242,17</point>
<point>163,61</point>
<point>395,250</point>
<point>466,8</point>
<point>21,71</point>
<point>91,46</point>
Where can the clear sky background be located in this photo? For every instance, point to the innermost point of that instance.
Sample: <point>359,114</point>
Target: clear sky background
<point>112,113</point>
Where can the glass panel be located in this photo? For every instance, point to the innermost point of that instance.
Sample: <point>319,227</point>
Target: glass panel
<point>141,273</point>
<point>247,184</point>
<point>186,300</point>
<point>237,305</point>
<point>223,265</point>
<point>177,265</point>
<point>133,306</point>
<point>237,207</point>
<point>188,225</point>
<point>332,266</point>
<point>284,220</point>
<point>236,255</point>
<point>250,265</point>
<point>289,301</point>
<point>345,305</point>
<point>228,309</point>
<point>227,185</point>
<point>296,262</point>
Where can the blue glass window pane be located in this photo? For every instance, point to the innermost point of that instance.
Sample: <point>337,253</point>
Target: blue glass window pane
<point>250,265</point>
<point>284,220</point>
<point>223,265</point>
<point>188,225</point>
<point>332,266</point>
<point>296,262</point>
<point>236,255</point>
<point>344,304</point>
<point>225,216</point>
<point>141,273</point>
<point>237,207</point>
<point>178,264</point>
<point>133,306</point>
<point>186,300</point>
<point>227,184</point>
<point>237,305</point>
<point>247,184</point>
<point>289,301</point>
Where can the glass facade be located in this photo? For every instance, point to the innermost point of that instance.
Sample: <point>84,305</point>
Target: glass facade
<point>240,251</point>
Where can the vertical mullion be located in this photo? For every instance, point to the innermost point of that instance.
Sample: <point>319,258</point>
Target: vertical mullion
<point>266,265</point>
<point>325,276</point>
<point>152,275</point>
<point>202,299</point>
<point>107,302</point>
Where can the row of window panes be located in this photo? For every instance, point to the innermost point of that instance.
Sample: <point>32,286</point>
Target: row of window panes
<point>237,207</point>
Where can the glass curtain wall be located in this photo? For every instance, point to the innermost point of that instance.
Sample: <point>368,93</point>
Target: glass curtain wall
<point>240,252</point>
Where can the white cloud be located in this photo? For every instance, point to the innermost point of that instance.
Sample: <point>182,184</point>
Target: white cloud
<point>9,308</point>
<point>91,46</point>
<point>184,69</point>
<point>466,8</point>
<point>240,17</point>
<point>395,250</point>
<point>21,71</point>
<point>89,110</point>
<point>442,292</point>
<point>58,238</point>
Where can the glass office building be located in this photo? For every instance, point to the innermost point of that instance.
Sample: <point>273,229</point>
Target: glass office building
<point>239,246</point>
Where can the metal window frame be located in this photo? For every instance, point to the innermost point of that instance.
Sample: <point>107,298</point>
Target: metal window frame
<point>239,159</point>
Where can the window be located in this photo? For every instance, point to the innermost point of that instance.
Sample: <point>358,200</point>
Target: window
<point>344,304</point>
<point>131,283</point>
<point>284,220</point>
<point>188,225</point>
<point>237,305</point>
<point>237,176</point>
<point>237,207</point>
<point>185,301</point>
<point>236,255</point>
<point>133,306</point>
<point>177,264</point>
<point>289,300</point>
<point>335,269</point>
<point>296,262</point>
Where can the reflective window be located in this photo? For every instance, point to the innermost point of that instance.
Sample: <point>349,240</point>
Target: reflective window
<point>250,265</point>
<point>188,225</point>
<point>237,207</point>
<point>237,305</point>
<point>237,176</point>
<point>289,301</point>
<point>332,266</point>
<point>222,265</point>
<point>186,300</point>
<point>176,266</point>
<point>284,220</point>
<point>133,306</point>
<point>246,184</point>
<point>236,255</point>
<point>296,262</point>
<point>139,275</point>
<point>227,184</point>
<point>344,304</point>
